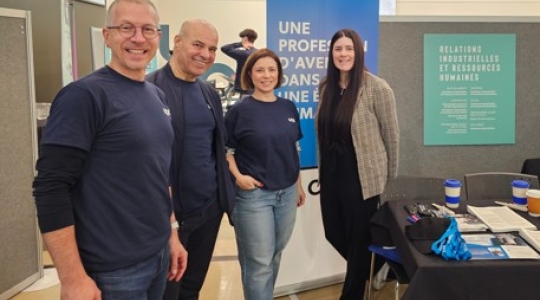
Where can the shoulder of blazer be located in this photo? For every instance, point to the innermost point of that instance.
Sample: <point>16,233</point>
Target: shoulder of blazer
<point>211,96</point>
<point>208,90</point>
<point>152,77</point>
<point>158,78</point>
<point>206,86</point>
<point>375,81</point>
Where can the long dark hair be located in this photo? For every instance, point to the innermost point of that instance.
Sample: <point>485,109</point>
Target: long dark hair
<point>339,124</point>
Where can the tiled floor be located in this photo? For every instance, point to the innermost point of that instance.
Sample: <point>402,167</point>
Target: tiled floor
<point>223,280</point>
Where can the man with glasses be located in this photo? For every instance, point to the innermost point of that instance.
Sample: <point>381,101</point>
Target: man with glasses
<point>102,192</point>
<point>129,30</point>
<point>200,181</point>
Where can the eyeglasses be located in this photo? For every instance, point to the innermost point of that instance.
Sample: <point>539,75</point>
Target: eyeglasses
<point>129,30</point>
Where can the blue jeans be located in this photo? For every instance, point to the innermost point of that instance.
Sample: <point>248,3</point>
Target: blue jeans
<point>142,281</point>
<point>264,222</point>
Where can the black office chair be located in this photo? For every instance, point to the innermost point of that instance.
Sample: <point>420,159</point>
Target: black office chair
<point>531,166</point>
<point>495,185</point>
<point>414,188</point>
<point>393,260</point>
<point>400,188</point>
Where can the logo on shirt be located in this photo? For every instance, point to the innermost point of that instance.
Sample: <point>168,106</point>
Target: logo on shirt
<point>292,120</point>
<point>167,111</point>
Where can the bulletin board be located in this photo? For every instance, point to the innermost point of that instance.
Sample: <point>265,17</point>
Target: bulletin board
<point>401,42</point>
<point>20,254</point>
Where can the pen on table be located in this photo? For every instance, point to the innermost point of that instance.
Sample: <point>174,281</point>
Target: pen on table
<point>443,209</point>
<point>513,206</point>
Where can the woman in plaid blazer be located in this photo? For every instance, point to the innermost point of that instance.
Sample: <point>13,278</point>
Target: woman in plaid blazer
<point>358,140</point>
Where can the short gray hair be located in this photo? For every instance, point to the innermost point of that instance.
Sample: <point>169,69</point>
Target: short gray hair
<point>112,7</point>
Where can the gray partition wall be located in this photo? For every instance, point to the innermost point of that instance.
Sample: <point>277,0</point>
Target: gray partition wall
<point>20,256</point>
<point>401,64</point>
<point>48,35</point>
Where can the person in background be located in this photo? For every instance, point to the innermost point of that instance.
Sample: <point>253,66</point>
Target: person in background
<point>240,51</point>
<point>202,188</point>
<point>263,132</point>
<point>358,141</point>
<point>101,191</point>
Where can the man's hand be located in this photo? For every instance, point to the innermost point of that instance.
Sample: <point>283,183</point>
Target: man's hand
<point>80,289</point>
<point>75,284</point>
<point>179,257</point>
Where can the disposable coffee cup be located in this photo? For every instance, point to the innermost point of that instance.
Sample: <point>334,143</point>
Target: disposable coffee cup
<point>533,202</point>
<point>519,192</point>
<point>452,191</point>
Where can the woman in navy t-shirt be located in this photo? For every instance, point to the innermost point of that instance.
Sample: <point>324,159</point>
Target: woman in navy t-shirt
<point>263,131</point>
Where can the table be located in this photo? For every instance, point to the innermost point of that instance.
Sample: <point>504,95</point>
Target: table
<point>433,278</point>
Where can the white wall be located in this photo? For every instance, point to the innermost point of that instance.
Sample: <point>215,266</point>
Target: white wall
<point>229,17</point>
<point>468,7</point>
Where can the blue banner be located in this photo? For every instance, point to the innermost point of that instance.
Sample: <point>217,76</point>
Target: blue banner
<point>300,32</point>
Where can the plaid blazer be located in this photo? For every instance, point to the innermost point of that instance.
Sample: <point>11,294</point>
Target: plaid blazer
<point>375,135</point>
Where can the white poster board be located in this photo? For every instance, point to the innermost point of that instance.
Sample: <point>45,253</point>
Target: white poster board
<point>98,48</point>
<point>309,261</point>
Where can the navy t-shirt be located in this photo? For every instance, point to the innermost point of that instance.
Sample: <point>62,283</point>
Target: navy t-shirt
<point>194,178</point>
<point>264,136</point>
<point>121,201</point>
<point>198,163</point>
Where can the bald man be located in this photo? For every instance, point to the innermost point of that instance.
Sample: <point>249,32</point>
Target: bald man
<point>201,184</point>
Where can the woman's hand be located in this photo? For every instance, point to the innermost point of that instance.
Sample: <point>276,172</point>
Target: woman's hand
<point>301,196</point>
<point>246,182</point>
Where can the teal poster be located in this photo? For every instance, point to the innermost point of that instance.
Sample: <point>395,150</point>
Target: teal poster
<point>469,89</point>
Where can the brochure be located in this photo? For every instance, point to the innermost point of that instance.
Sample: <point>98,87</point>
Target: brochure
<point>498,246</point>
<point>532,237</point>
<point>469,223</point>
<point>500,218</point>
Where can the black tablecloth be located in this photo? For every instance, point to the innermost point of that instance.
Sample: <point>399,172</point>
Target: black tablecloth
<point>433,278</point>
